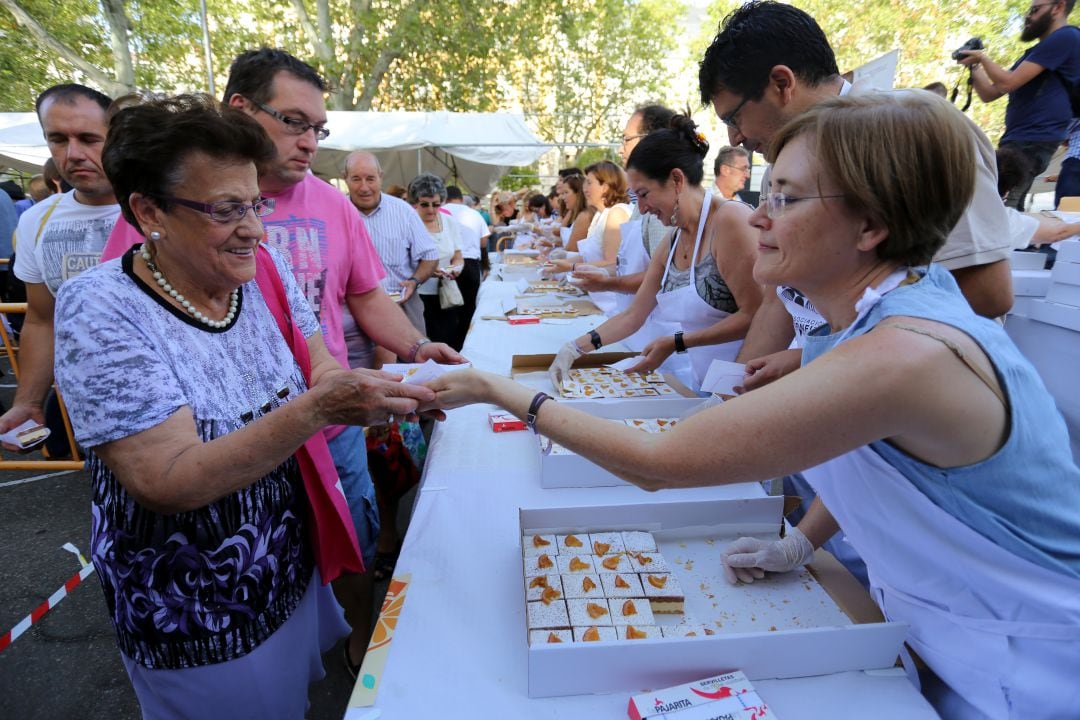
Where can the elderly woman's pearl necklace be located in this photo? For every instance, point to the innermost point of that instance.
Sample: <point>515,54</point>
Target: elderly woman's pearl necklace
<point>159,278</point>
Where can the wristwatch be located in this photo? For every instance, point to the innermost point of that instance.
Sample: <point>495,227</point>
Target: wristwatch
<point>680,344</point>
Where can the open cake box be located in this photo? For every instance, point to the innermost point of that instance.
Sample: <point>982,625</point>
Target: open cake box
<point>532,370</point>
<point>552,306</point>
<point>812,621</point>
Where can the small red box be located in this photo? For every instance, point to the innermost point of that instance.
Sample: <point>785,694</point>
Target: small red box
<point>523,320</point>
<point>504,422</point>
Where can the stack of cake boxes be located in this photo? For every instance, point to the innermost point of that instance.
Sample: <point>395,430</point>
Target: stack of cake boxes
<point>1030,280</point>
<point>1062,304</point>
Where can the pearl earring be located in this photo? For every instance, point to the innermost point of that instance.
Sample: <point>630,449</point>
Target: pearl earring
<point>155,235</point>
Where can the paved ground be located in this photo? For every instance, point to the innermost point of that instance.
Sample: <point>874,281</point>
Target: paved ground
<point>67,665</point>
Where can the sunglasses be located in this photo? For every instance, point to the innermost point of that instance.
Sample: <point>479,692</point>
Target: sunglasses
<point>427,204</point>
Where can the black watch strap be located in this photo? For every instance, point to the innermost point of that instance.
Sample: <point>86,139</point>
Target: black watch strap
<point>594,338</point>
<point>534,407</point>
<point>680,344</point>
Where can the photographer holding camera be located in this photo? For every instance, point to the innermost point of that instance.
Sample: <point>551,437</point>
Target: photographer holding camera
<point>1038,85</point>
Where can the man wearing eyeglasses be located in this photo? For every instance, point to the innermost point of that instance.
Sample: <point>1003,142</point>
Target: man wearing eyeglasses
<point>56,240</point>
<point>731,172</point>
<point>1039,112</point>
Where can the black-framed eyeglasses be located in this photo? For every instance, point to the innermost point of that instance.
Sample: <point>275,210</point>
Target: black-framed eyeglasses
<point>225,211</point>
<point>295,126</point>
<point>775,203</point>
<point>429,204</point>
<point>730,118</point>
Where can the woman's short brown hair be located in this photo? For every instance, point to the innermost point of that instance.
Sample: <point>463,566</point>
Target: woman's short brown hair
<point>907,159</point>
<point>614,178</point>
<point>148,143</point>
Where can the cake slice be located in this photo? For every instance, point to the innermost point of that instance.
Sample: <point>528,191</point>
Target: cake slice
<point>638,541</point>
<point>589,612</point>
<point>664,593</point>
<point>631,611</point>
<point>648,562</point>
<point>550,616</point>
<point>536,586</point>
<point>542,637</point>
<point>543,564</point>
<point>574,544</point>
<point>606,543</point>
<point>617,562</point>
<point>620,585</point>
<point>582,585</point>
<point>576,564</point>
<point>637,632</point>
<point>533,544</point>
<point>594,633</point>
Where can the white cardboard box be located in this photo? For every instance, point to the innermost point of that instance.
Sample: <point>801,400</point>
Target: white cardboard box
<point>1068,251</point>
<point>1052,313</point>
<point>560,471</point>
<point>1063,294</point>
<point>861,643</point>
<point>1066,273</point>
<point>1030,283</point>
<point>1024,260</point>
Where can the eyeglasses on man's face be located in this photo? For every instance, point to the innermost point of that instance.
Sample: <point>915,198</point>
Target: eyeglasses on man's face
<point>225,211</point>
<point>775,203</point>
<point>731,119</point>
<point>738,168</point>
<point>294,126</point>
<point>627,139</point>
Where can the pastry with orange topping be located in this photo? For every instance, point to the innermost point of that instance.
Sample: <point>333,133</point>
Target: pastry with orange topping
<point>543,637</point>
<point>535,586</point>
<point>582,585</point>
<point>622,585</point>
<point>664,593</point>
<point>536,544</point>
<point>593,611</point>
<point>569,564</point>
<point>637,632</point>
<point>594,633</point>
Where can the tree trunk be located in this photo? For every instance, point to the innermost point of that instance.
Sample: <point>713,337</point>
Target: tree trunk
<point>119,29</point>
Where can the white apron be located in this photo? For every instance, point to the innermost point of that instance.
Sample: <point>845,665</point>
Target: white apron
<point>564,235</point>
<point>592,253</point>
<point>683,309</point>
<point>1002,632</point>
<point>632,259</point>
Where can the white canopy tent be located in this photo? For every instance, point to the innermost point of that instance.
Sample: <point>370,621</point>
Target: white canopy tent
<point>472,149</point>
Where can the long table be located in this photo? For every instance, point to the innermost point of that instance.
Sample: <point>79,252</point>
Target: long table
<point>459,648</point>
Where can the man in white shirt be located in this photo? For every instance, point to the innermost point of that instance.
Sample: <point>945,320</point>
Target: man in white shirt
<point>60,237</point>
<point>473,238</point>
<point>405,247</point>
<point>731,171</point>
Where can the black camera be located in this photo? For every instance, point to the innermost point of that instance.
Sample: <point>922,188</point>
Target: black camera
<point>972,44</point>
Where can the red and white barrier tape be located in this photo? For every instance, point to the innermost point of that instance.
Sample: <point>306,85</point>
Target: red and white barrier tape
<point>23,625</point>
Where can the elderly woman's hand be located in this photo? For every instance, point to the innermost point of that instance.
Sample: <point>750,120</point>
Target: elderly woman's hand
<point>366,397</point>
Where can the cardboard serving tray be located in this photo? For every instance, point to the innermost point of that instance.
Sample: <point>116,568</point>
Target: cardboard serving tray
<point>560,471</point>
<point>804,623</point>
<point>521,365</point>
<point>583,307</point>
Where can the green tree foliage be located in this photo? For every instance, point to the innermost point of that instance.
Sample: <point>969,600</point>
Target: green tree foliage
<point>581,76</point>
<point>520,177</point>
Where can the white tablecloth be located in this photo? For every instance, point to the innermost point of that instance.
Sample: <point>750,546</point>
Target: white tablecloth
<point>459,649</point>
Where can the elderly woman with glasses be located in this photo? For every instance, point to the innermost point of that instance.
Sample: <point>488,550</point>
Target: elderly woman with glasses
<point>427,193</point>
<point>197,377</point>
<point>924,430</point>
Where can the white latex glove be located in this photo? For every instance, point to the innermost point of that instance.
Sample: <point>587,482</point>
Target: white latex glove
<point>747,559</point>
<point>560,368</point>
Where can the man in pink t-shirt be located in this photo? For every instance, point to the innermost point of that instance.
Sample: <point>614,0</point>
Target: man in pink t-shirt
<point>336,265</point>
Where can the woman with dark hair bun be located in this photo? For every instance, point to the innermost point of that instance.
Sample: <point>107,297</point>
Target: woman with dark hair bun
<point>698,295</point>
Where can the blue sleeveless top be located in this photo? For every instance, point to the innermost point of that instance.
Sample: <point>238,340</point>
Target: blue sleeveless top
<point>1026,496</point>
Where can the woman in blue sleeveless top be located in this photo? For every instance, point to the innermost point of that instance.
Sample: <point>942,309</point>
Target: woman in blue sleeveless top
<point>927,435</point>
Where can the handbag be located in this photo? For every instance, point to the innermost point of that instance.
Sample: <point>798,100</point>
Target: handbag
<point>333,535</point>
<point>449,294</point>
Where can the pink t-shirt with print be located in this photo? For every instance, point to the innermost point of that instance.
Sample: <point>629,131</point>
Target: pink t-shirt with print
<point>327,244</point>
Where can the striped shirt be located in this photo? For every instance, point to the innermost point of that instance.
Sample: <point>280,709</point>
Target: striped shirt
<point>400,238</point>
